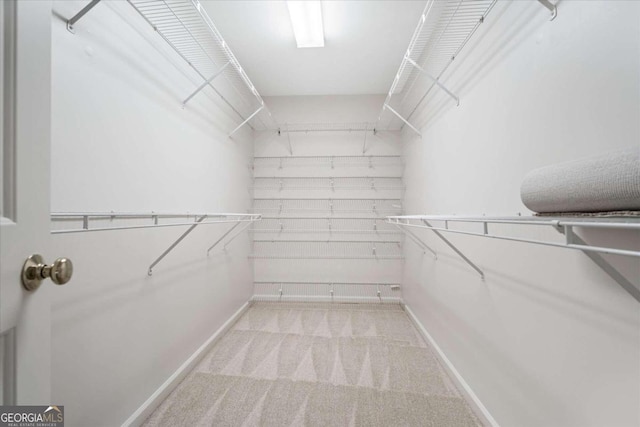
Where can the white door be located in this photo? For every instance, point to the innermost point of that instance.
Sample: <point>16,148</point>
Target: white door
<point>24,227</point>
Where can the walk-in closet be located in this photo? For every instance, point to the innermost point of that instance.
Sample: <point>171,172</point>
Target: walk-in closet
<point>320,213</point>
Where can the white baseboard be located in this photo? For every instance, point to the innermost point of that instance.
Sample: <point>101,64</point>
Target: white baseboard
<point>476,405</point>
<point>142,413</point>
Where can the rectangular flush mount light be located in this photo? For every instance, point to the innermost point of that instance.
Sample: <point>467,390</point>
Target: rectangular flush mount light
<point>306,18</point>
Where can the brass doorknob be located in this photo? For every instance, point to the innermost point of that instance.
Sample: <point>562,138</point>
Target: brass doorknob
<point>35,271</point>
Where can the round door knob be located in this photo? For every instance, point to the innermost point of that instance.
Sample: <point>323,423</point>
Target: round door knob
<point>61,271</point>
<point>35,271</point>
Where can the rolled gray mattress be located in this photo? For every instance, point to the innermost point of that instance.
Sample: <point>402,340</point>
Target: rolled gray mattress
<point>609,182</point>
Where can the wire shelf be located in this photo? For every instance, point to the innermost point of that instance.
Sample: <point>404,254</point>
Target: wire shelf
<point>77,222</point>
<point>322,233</point>
<point>281,282</point>
<point>394,199</point>
<point>328,206</point>
<point>326,127</point>
<point>324,225</point>
<point>191,33</point>
<point>341,183</point>
<point>327,250</point>
<point>326,291</point>
<point>564,226</point>
<point>370,162</point>
<point>443,30</point>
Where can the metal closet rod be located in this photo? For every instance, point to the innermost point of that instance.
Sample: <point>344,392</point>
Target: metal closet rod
<point>327,177</point>
<point>326,127</point>
<point>311,198</point>
<point>331,207</point>
<point>363,157</point>
<point>324,188</point>
<point>319,257</point>
<point>372,130</point>
<point>563,225</point>
<point>294,210</point>
<point>199,219</point>
<point>326,241</point>
<point>88,217</point>
<point>372,218</point>
<point>328,187</point>
<point>282,282</point>
<point>322,231</point>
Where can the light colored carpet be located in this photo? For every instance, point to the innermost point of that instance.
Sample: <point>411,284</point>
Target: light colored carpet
<point>307,364</point>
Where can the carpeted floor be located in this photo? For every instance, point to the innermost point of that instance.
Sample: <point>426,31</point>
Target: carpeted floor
<point>285,364</point>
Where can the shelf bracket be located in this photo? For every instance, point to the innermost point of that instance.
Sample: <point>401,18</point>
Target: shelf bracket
<point>573,238</point>
<point>289,139</point>
<point>71,22</point>
<point>246,120</point>
<point>451,245</point>
<point>223,236</point>
<point>206,83</point>
<point>236,235</point>
<point>417,240</point>
<point>164,254</point>
<point>433,79</point>
<point>388,107</point>
<point>552,8</point>
<point>364,146</point>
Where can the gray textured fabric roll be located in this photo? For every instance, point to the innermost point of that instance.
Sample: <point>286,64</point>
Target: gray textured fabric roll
<point>609,182</point>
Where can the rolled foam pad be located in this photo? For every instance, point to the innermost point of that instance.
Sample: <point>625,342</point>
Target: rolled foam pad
<point>609,182</point>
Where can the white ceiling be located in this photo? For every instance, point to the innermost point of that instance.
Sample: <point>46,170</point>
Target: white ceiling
<point>364,44</point>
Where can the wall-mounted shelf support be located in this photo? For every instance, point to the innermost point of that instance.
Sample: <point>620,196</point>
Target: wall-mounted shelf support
<point>433,79</point>
<point>387,107</point>
<point>456,250</point>
<point>246,120</point>
<point>227,233</point>
<point>289,139</point>
<point>71,22</point>
<point>236,235</point>
<point>552,8</point>
<point>205,83</point>
<point>174,244</point>
<point>417,241</point>
<point>364,145</point>
<point>237,218</point>
<point>222,237</point>
<point>573,238</point>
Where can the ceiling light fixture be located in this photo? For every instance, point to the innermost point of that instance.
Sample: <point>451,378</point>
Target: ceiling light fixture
<point>306,19</point>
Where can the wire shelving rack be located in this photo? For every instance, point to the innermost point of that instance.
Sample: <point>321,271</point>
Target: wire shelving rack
<point>485,226</point>
<point>332,162</point>
<point>328,183</point>
<point>443,30</point>
<point>187,28</point>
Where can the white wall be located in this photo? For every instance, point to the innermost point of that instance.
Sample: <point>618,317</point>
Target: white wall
<point>547,339</point>
<point>121,142</point>
<point>328,110</point>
